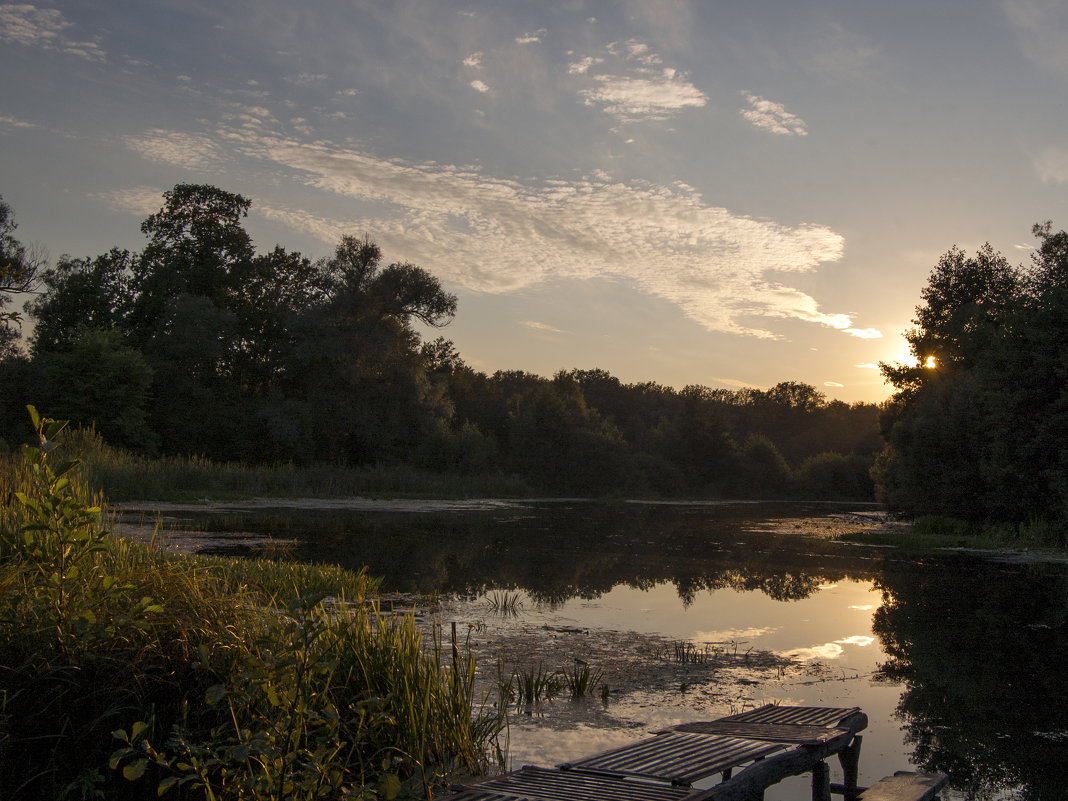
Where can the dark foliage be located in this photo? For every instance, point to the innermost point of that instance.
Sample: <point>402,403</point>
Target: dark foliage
<point>978,430</point>
<point>197,345</point>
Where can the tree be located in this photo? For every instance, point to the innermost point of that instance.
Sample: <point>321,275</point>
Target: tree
<point>18,274</point>
<point>976,432</point>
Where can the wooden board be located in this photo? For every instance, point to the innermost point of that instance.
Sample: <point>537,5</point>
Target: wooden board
<point>545,784</point>
<point>796,715</point>
<point>904,786</point>
<point>677,757</point>
<point>772,732</point>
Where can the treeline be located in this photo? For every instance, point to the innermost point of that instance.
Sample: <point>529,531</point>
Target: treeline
<point>979,429</point>
<point>197,345</point>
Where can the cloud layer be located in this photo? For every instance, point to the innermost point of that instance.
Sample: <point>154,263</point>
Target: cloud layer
<point>725,271</point>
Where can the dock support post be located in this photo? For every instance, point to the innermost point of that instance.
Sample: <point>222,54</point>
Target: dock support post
<point>821,782</point>
<point>850,759</point>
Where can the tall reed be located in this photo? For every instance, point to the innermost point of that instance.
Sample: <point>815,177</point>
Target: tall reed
<point>220,678</point>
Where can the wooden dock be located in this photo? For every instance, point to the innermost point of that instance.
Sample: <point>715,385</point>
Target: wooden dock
<point>748,753</point>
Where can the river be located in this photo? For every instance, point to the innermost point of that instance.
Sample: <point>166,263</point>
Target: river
<point>958,660</point>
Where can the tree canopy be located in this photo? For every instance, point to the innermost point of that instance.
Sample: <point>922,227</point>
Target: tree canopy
<point>198,344</point>
<point>978,427</point>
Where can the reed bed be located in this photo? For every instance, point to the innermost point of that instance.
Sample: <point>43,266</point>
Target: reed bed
<point>128,672</point>
<point>127,476</point>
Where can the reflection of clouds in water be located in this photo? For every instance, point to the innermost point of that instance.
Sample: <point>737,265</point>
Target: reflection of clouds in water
<point>827,585</point>
<point>829,650</point>
<point>725,635</point>
<point>546,745</point>
<point>858,639</point>
<point>863,607</point>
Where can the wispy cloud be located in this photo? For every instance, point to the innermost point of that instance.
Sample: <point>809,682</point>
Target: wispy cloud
<point>773,117</point>
<point>1051,164</point>
<point>536,326</point>
<point>864,333</point>
<point>531,38</point>
<point>833,384</point>
<point>12,122</point>
<point>474,60</point>
<point>140,200</point>
<point>868,366</point>
<point>841,54</point>
<point>500,235</point>
<point>1043,29</point>
<point>46,28</point>
<point>639,87</point>
<point>189,151</point>
<point>479,86</point>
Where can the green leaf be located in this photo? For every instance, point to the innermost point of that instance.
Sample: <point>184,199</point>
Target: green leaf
<point>34,417</point>
<point>166,784</point>
<point>135,770</point>
<point>215,693</point>
<point>389,786</point>
<point>138,727</point>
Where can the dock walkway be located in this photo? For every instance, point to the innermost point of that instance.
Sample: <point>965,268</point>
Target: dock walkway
<point>749,752</point>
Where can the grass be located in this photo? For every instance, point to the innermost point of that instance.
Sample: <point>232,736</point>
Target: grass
<point>504,603</point>
<point>938,532</point>
<point>127,476</point>
<point>129,672</point>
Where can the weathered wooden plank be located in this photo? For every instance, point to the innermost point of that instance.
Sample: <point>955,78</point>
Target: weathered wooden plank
<point>546,784</point>
<point>798,715</point>
<point>678,757</point>
<point>774,732</point>
<point>905,786</point>
<point>752,780</point>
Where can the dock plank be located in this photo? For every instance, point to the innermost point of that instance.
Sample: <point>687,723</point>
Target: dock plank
<point>679,757</point>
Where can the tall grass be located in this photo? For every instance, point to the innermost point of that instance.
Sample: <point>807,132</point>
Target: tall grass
<point>127,671</point>
<point>127,476</point>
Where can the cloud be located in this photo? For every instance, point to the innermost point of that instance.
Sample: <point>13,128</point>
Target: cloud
<point>773,117</point>
<point>832,384</point>
<point>140,200</point>
<point>638,88</point>
<point>654,98</point>
<point>582,66</point>
<point>864,333</point>
<point>1042,26</point>
<point>45,28</point>
<point>540,326</point>
<point>11,122</point>
<point>189,151</point>
<point>1051,164</point>
<point>500,235</point>
<point>474,60</point>
<point>868,366</point>
<point>479,86</point>
<point>531,38</point>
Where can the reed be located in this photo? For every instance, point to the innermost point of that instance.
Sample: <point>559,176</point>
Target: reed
<point>581,680</point>
<point>504,603</point>
<point>127,476</point>
<point>221,678</point>
<point>535,684</point>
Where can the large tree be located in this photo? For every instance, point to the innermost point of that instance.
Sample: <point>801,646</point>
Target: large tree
<point>979,425</point>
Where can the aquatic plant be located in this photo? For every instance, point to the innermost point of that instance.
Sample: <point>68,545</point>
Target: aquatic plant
<point>505,603</point>
<point>240,683</point>
<point>581,679</point>
<point>535,684</point>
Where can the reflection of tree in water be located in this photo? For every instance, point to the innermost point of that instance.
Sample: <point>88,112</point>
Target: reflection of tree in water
<point>558,552</point>
<point>982,650</point>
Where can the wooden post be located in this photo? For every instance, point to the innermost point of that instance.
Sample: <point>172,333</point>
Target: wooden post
<point>850,759</point>
<point>821,782</point>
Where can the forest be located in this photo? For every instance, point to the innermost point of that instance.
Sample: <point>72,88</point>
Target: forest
<point>198,345</point>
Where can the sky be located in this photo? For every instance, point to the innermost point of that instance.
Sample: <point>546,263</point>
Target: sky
<point>718,193</point>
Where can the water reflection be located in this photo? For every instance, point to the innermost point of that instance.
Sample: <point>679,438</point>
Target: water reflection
<point>981,650</point>
<point>967,658</point>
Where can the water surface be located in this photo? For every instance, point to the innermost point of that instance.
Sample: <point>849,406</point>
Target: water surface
<point>958,662</point>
